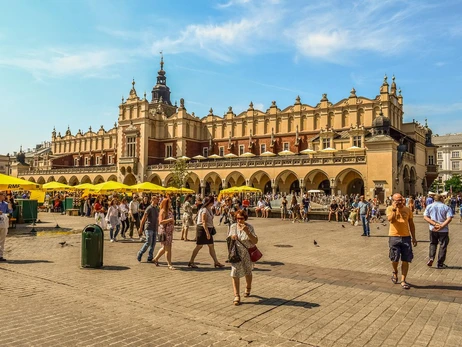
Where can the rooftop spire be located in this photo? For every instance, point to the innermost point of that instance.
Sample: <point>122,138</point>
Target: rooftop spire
<point>161,60</point>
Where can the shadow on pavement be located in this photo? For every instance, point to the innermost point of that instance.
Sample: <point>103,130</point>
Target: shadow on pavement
<point>281,302</point>
<point>270,263</point>
<point>433,286</point>
<point>114,268</point>
<point>27,261</point>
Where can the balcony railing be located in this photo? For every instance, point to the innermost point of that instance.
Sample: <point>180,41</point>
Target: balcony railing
<point>409,157</point>
<point>266,162</point>
<point>71,170</point>
<point>432,169</point>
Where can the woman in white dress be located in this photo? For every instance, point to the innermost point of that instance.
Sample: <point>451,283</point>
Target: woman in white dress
<point>244,237</point>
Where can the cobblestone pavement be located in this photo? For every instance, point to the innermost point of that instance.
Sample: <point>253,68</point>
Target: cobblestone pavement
<point>337,294</point>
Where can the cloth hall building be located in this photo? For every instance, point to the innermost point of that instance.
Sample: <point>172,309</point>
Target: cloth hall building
<point>355,145</point>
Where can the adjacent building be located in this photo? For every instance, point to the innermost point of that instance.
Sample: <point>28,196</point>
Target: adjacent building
<point>449,155</point>
<point>354,145</point>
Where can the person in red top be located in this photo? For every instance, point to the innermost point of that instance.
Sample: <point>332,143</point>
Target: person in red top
<point>99,213</point>
<point>245,203</point>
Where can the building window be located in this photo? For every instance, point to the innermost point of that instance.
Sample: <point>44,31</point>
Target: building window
<point>205,152</point>
<point>109,159</point>
<point>221,151</point>
<point>440,155</point>
<point>455,165</point>
<point>241,149</point>
<point>455,154</point>
<point>168,151</point>
<point>357,141</point>
<point>87,161</point>
<point>131,146</point>
<point>325,143</point>
<point>98,160</point>
<point>76,161</point>
<point>285,146</point>
<point>431,160</point>
<point>262,148</point>
<point>440,166</point>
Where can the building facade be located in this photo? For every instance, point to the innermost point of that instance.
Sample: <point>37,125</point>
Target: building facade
<point>449,155</point>
<point>355,145</point>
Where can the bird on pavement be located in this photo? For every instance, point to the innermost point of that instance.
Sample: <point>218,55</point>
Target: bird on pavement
<point>378,227</point>
<point>315,243</point>
<point>384,224</point>
<point>343,226</point>
<point>62,243</point>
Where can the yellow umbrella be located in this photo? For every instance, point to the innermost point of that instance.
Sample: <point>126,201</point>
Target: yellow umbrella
<point>329,149</point>
<point>241,189</point>
<point>286,153</point>
<point>56,186</point>
<point>83,186</point>
<point>307,151</point>
<point>185,158</point>
<point>214,156</point>
<point>267,154</point>
<point>179,190</point>
<point>148,187</point>
<point>247,155</point>
<point>13,183</point>
<point>355,149</point>
<point>109,186</point>
<point>230,155</point>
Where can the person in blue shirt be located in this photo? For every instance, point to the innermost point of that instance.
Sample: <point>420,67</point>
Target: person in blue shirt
<point>364,214</point>
<point>460,212</point>
<point>438,215</point>
<point>4,222</point>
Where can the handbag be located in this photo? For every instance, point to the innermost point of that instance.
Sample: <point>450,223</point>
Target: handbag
<point>162,237</point>
<point>254,252</point>
<point>233,255</point>
<point>213,231</point>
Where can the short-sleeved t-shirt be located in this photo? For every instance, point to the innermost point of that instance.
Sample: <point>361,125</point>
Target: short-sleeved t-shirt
<point>152,218</point>
<point>306,202</point>
<point>333,206</point>
<point>400,227</point>
<point>363,207</point>
<point>438,212</point>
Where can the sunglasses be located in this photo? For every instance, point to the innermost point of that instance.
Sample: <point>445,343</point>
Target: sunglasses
<point>240,218</point>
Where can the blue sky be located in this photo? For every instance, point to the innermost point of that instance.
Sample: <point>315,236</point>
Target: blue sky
<point>68,63</point>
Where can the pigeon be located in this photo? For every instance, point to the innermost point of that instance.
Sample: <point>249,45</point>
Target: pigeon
<point>343,226</point>
<point>378,228</point>
<point>384,224</point>
<point>62,243</point>
<point>315,243</point>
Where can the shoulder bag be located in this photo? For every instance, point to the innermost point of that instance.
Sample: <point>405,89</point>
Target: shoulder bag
<point>233,255</point>
<point>254,252</point>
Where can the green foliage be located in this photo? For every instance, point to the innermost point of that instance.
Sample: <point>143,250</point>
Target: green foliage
<point>455,182</point>
<point>180,172</point>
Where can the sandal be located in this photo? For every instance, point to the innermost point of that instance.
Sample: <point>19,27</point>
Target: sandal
<point>247,292</point>
<point>171,267</point>
<point>156,263</point>
<point>193,266</point>
<point>394,277</point>
<point>237,300</point>
<point>404,285</point>
<point>218,265</point>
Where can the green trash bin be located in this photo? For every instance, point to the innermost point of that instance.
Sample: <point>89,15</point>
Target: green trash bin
<point>92,246</point>
<point>28,209</point>
<point>68,204</point>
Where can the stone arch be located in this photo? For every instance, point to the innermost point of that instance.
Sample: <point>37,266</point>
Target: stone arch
<point>303,123</point>
<point>406,181</point>
<point>235,179</point>
<point>244,128</point>
<point>168,180</point>
<point>316,121</point>
<point>350,181</point>
<point>278,125</point>
<point>261,180</point>
<point>360,117</point>
<point>212,183</point>
<point>331,119</point>
<point>98,179</point>
<point>287,180</point>
<point>193,182</point>
<point>314,179</point>
<point>412,181</point>
<point>41,180</point>
<point>51,179</point>
<point>266,129</point>
<point>62,180</point>
<point>85,179</point>
<point>31,179</point>
<point>112,178</point>
<point>73,181</point>
<point>129,180</point>
<point>154,178</point>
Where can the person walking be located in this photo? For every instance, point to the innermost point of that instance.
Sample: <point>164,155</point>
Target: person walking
<point>438,216</point>
<point>244,237</point>
<point>150,224</point>
<point>113,218</point>
<point>187,217</point>
<point>364,214</point>
<point>134,217</point>
<point>204,233</point>
<point>5,209</point>
<point>166,226</point>
<point>401,238</point>
<point>123,208</point>
<point>99,213</point>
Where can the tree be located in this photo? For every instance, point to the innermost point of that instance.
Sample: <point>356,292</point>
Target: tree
<point>179,172</point>
<point>455,182</point>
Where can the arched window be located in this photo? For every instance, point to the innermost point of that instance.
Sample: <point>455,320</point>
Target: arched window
<point>223,131</point>
<point>303,123</point>
<point>290,124</point>
<point>360,117</point>
<point>278,125</point>
<point>345,120</point>
<point>187,130</point>
<point>234,128</point>
<point>316,121</point>
<point>267,126</point>
<point>244,128</point>
<point>331,119</point>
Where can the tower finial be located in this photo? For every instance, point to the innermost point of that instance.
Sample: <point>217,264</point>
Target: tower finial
<point>133,82</point>
<point>161,60</point>
<point>426,124</point>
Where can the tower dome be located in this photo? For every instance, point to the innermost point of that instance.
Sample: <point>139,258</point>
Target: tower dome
<point>160,92</point>
<point>381,124</point>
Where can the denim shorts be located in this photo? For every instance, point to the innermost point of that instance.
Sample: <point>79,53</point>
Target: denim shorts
<point>400,247</point>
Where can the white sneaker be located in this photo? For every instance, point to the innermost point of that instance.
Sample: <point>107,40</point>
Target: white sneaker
<point>112,240</point>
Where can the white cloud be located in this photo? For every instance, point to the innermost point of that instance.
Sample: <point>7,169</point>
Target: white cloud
<point>428,110</point>
<point>440,63</point>
<point>60,63</point>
